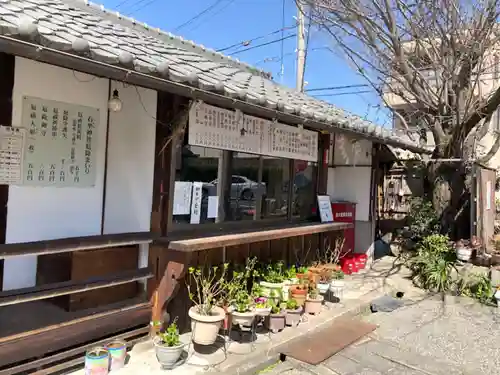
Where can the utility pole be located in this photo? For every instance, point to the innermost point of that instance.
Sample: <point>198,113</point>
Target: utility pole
<point>301,46</point>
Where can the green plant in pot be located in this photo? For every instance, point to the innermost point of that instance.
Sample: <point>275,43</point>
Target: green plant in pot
<point>168,347</point>
<point>337,280</point>
<point>206,316</point>
<point>314,301</point>
<point>262,306</point>
<point>293,313</point>
<point>275,321</point>
<point>325,279</point>
<point>274,277</point>
<point>243,312</point>
<point>299,292</point>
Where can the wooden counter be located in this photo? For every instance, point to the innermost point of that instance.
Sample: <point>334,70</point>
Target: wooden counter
<point>205,243</point>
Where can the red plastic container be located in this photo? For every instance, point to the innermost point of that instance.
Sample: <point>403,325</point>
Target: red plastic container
<point>348,264</point>
<point>360,261</point>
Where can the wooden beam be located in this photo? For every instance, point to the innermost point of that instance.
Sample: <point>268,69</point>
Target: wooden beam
<point>32,344</point>
<point>205,243</point>
<point>65,245</point>
<point>16,296</point>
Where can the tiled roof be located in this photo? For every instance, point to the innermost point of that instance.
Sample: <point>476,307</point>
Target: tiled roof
<point>86,29</point>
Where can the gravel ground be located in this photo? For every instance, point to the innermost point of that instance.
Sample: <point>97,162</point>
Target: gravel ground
<point>425,337</point>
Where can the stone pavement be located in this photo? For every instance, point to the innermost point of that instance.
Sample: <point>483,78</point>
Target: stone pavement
<point>428,336</point>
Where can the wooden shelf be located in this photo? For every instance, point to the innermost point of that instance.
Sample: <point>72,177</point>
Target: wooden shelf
<point>65,245</point>
<point>204,243</point>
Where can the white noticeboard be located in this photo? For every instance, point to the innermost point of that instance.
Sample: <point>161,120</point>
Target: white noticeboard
<point>61,143</point>
<point>196,203</point>
<point>12,142</point>
<point>219,128</point>
<point>182,197</point>
<point>325,209</point>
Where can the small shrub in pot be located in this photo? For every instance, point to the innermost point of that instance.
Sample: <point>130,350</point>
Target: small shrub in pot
<point>293,313</point>
<point>168,347</point>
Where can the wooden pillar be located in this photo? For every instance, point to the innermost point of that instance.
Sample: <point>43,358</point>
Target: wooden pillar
<point>7,67</point>
<point>324,148</point>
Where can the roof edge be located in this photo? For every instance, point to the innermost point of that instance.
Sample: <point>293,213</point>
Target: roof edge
<point>167,37</point>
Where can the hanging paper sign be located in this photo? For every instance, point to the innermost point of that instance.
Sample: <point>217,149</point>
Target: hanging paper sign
<point>12,141</point>
<point>61,143</point>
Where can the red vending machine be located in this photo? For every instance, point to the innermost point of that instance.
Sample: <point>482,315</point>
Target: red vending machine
<point>345,212</point>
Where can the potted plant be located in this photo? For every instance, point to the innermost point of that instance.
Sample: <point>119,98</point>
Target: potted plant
<point>273,278</point>
<point>291,275</point>
<point>293,313</point>
<point>324,281</point>
<point>206,316</point>
<point>242,313</point>
<point>262,307</point>
<point>463,250</point>
<point>299,292</point>
<point>314,302</point>
<point>497,295</point>
<point>275,322</point>
<point>302,272</point>
<point>168,347</point>
<point>337,280</point>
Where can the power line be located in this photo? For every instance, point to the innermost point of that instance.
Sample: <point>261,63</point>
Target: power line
<point>337,87</point>
<point>121,3</point>
<point>194,18</point>
<point>343,93</point>
<point>246,43</point>
<point>141,7</point>
<point>214,14</point>
<point>264,44</point>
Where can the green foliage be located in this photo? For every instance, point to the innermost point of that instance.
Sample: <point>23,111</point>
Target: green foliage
<point>338,275</point>
<point>275,306</point>
<point>242,301</point>
<point>170,337</point>
<point>434,263</point>
<point>291,304</point>
<point>423,219</point>
<point>290,272</point>
<point>274,273</point>
<point>477,286</point>
<point>210,286</point>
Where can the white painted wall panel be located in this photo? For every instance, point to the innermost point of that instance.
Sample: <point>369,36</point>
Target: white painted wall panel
<point>352,184</point>
<point>43,213</point>
<point>131,147</point>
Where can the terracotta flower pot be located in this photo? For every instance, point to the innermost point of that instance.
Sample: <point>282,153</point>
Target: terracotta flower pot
<point>299,295</point>
<point>315,270</point>
<point>314,278</point>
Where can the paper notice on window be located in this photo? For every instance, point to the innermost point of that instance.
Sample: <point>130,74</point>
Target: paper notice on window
<point>325,208</point>
<point>196,202</point>
<point>213,207</point>
<point>182,197</point>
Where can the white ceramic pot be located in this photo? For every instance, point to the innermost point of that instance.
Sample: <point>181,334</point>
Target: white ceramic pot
<point>497,297</point>
<point>244,319</point>
<point>323,287</point>
<point>262,311</point>
<point>313,306</point>
<point>168,356</point>
<point>464,254</point>
<point>206,327</point>
<point>337,284</point>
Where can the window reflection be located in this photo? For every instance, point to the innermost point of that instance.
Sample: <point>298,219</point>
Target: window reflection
<point>304,189</point>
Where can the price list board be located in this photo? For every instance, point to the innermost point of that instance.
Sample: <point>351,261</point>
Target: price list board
<point>12,142</point>
<point>61,143</point>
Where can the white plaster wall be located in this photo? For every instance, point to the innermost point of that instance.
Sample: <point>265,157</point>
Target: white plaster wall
<point>350,151</point>
<point>351,184</point>
<point>43,213</point>
<point>131,147</point>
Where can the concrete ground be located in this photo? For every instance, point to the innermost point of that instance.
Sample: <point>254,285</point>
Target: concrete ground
<point>427,336</point>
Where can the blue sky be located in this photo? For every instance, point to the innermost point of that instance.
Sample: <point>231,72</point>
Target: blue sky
<point>234,21</point>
